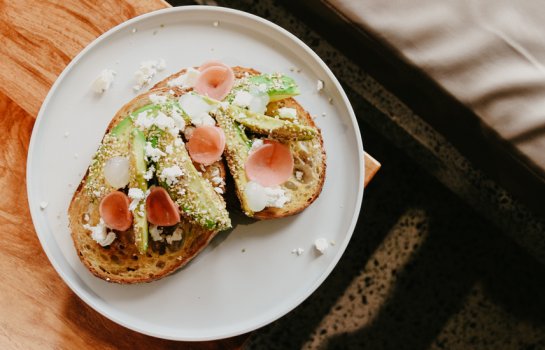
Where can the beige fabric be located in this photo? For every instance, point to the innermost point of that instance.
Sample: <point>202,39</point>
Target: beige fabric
<point>490,54</point>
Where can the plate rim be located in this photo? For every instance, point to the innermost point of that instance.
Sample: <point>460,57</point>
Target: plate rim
<point>79,290</point>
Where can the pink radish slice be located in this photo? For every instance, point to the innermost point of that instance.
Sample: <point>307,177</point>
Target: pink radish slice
<point>270,165</point>
<point>206,144</point>
<point>212,63</point>
<point>215,82</point>
<point>160,208</point>
<point>114,210</point>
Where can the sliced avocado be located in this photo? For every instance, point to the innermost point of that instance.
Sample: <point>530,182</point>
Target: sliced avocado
<point>278,86</point>
<point>237,148</point>
<point>115,143</point>
<point>138,169</point>
<point>194,195</point>
<point>276,128</point>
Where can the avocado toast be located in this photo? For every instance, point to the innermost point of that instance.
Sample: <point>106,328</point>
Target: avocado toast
<point>309,158</point>
<point>141,253</point>
<point>151,199</point>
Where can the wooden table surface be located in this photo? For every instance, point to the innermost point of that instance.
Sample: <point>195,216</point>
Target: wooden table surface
<point>37,310</point>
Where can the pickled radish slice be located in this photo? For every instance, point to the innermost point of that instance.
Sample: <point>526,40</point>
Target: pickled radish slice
<point>116,172</point>
<point>114,210</point>
<point>206,144</point>
<point>160,208</point>
<point>215,82</point>
<point>212,63</point>
<point>270,164</point>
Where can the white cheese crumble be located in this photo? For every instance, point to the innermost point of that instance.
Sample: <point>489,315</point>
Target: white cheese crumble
<point>243,99</point>
<point>153,153</point>
<point>149,173</point>
<point>321,245</point>
<point>298,251</point>
<point>103,81</point>
<point>98,233</point>
<point>299,175</point>
<point>86,217</point>
<point>169,149</point>
<point>287,113</point>
<point>144,120</point>
<point>319,85</point>
<point>186,80</point>
<point>175,236</point>
<point>147,71</point>
<point>197,109</point>
<point>43,205</point>
<point>260,197</point>
<point>256,143</point>
<point>157,99</point>
<point>136,195</point>
<point>155,233</point>
<point>170,175</point>
<point>179,121</point>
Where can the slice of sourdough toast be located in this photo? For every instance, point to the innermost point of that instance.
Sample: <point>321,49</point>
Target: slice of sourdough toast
<point>121,262</point>
<point>306,182</point>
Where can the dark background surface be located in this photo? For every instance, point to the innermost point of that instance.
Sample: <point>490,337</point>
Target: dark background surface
<point>422,270</point>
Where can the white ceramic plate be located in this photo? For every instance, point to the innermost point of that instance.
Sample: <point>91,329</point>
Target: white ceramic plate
<point>246,278</point>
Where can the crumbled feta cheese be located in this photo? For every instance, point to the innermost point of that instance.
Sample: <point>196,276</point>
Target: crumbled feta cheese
<point>170,175</point>
<point>169,149</point>
<point>299,175</point>
<point>164,122</point>
<point>321,245</point>
<point>298,251</point>
<point>256,143</point>
<point>136,195</point>
<point>99,235</point>
<point>203,119</point>
<point>319,85</point>
<point>149,173</point>
<point>146,72</point>
<point>179,121</point>
<point>103,81</point>
<point>197,109</point>
<point>175,236</point>
<point>144,120</point>
<point>178,142</point>
<point>157,99</point>
<point>155,233</point>
<point>43,205</point>
<point>260,197</point>
<point>188,79</point>
<point>86,217</point>
<point>287,113</point>
<point>218,190</point>
<point>243,99</point>
<point>153,153</point>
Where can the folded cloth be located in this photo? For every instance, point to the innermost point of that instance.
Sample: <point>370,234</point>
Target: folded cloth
<point>489,54</point>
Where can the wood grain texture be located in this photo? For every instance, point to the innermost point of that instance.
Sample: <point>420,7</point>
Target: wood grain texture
<point>37,310</point>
